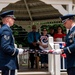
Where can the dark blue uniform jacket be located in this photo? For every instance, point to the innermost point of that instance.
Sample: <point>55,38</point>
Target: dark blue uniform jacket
<point>8,53</point>
<point>70,44</point>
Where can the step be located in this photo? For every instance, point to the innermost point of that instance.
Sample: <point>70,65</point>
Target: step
<point>38,73</point>
<point>33,73</point>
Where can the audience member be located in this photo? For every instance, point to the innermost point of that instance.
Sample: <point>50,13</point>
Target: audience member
<point>33,37</point>
<point>58,37</point>
<point>52,31</point>
<point>43,44</point>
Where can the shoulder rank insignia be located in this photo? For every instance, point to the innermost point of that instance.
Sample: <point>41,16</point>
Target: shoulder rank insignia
<point>6,37</point>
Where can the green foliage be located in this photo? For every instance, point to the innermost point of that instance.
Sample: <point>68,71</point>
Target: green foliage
<point>55,25</point>
<point>20,35</point>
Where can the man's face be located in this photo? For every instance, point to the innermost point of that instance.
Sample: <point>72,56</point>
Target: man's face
<point>68,23</point>
<point>34,28</point>
<point>8,20</point>
<point>11,21</point>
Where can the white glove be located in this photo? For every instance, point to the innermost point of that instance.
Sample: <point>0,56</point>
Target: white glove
<point>46,50</point>
<point>57,51</point>
<point>20,51</point>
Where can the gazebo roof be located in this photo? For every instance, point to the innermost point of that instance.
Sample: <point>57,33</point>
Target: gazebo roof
<point>32,10</point>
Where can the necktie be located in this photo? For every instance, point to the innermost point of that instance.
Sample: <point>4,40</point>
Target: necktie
<point>34,35</point>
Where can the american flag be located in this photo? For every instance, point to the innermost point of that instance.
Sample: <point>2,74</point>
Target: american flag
<point>62,45</point>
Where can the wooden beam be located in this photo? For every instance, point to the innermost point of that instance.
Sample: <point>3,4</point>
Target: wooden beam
<point>28,10</point>
<point>63,2</point>
<point>30,22</point>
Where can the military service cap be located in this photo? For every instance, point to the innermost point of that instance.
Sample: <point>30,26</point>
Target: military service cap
<point>9,13</point>
<point>67,17</point>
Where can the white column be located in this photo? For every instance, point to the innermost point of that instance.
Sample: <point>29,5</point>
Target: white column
<point>73,9</point>
<point>70,11</point>
<point>57,62</point>
<point>51,56</point>
<point>53,60</point>
<point>69,8</point>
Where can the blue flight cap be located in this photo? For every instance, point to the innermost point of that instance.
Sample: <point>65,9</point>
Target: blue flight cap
<point>9,13</point>
<point>67,17</point>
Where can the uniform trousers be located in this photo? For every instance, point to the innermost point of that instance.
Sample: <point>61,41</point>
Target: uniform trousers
<point>71,71</point>
<point>6,71</point>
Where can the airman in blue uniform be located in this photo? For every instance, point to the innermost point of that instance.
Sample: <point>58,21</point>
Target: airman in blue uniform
<point>68,21</point>
<point>8,52</point>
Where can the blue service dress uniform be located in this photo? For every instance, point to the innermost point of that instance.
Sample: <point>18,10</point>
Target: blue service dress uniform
<point>70,49</point>
<point>8,52</point>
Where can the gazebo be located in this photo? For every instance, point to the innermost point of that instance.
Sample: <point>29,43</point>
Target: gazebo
<point>28,12</point>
